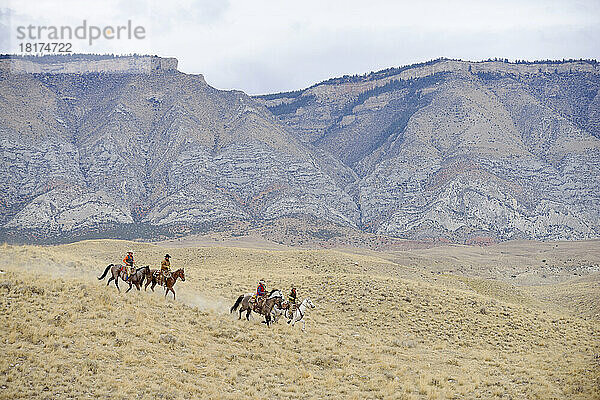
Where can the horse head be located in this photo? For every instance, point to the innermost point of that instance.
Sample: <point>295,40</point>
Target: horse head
<point>181,273</point>
<point>309,303</point>
<point>275,298</point>
<point>145,269</point>
<point>279,301</point>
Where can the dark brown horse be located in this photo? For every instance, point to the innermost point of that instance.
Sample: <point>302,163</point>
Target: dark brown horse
<point>118,271</point>
<point>152,277</point>
<point>155,277</point>
<point>274,298</point>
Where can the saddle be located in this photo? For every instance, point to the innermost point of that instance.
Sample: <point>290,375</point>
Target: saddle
<point>159,277</point>
<point>257,303</point>
<point>127,271</point>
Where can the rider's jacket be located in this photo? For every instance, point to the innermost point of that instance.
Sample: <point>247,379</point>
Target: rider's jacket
<point>128,260</point>
<point>260,290</point>
<point>165,265</point>
<point>292,296</point>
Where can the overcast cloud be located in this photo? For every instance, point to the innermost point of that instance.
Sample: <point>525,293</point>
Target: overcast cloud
<point>262,46</point>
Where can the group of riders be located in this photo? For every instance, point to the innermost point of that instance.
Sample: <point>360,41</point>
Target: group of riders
<point>165,271</point>
<point>261,295</point>
<point>165,266</point>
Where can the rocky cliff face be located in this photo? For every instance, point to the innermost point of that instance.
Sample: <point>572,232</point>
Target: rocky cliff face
<point>446,149</point>
<point>86,65</point>
<point>462,150</point>
<point>89,152</point>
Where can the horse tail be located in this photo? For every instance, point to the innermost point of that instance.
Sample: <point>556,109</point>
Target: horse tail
<point>237,303</point>
<point>105,272</point>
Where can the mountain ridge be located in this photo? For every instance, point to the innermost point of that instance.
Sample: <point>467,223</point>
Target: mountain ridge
<point>446,112</point>
<point>454,65</point>
<point>448,150</point>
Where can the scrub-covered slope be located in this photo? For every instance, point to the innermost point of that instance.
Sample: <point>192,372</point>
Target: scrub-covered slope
<point>378,330</point>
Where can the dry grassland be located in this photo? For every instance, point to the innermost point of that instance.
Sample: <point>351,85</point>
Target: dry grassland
<point>380,330</point>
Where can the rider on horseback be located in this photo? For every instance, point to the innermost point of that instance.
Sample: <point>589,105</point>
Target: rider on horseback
<point>165,267</point>
<point>292,299</point>
<point>261,292</point>
<point>128,261</point>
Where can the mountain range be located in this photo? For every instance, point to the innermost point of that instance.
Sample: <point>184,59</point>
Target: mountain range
<point>100,146</point>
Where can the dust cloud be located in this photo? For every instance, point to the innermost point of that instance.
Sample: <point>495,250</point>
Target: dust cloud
<point>42,261</point>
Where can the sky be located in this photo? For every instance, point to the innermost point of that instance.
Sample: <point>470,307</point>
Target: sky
<point>266,46</point>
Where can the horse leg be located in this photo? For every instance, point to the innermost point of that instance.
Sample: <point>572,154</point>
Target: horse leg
<point>172,290</point>
<point>117,283</point>
<point>127,291</point>
<point>248,314</point>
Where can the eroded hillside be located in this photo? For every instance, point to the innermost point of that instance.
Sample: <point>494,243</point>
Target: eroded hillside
<point>150,153</point>
<point>444,150</point>
<point>461,150</point>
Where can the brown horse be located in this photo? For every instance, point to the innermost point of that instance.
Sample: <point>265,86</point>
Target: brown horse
<point>156,278</point>
<point>118,271</point>
<point>152,277</point>
<point>274,298</point>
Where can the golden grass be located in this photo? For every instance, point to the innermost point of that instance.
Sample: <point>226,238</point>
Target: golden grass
<point>379,330</point>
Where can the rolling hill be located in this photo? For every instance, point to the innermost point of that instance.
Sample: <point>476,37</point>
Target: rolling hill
<point>381,328</point>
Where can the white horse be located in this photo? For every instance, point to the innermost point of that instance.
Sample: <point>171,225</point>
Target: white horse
<point>298,314</point>
<point>277,312</point>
